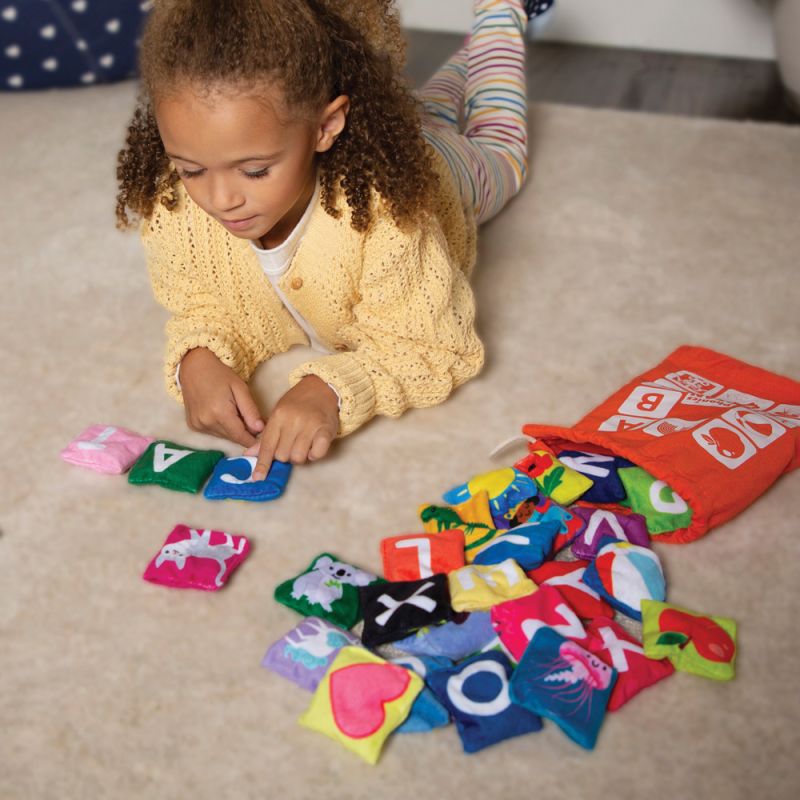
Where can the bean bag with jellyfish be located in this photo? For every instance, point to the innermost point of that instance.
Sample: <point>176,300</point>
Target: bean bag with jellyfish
<point>560,680</point>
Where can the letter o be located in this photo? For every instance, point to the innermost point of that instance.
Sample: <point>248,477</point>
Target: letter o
<point>486,708</point>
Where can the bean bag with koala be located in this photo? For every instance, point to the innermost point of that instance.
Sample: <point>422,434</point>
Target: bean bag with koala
<point>327,589</point>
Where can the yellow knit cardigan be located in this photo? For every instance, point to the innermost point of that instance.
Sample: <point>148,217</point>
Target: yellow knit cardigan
<point>395,305</point>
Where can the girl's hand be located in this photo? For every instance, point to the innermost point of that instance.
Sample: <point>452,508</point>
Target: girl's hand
<point>217,400</point>
<point>301,427</point>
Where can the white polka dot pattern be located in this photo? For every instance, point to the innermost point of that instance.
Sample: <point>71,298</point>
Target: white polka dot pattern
<point>51,43</point>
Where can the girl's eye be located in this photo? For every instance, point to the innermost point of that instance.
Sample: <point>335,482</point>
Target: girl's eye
<point>191,173</point>
<point>259,173</point>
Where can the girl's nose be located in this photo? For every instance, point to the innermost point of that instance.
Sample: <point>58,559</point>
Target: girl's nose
<point>224,195</point>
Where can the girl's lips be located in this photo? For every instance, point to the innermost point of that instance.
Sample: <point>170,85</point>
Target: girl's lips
<point>238,224</point>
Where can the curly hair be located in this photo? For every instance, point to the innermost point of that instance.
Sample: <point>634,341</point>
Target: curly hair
<point>314,51</point>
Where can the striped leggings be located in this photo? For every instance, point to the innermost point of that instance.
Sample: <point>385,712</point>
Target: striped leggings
<point>475,108</point>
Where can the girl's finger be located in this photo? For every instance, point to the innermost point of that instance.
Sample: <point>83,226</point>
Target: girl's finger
<point>283,448</point>
<point>247,408</point>
<point>301,448</point>
<point>234,430</point>
<point>320,446</point>
<point>266,452</point>
<point>253,449</point>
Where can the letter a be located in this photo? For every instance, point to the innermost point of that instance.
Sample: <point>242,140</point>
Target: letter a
<point>164,457</point>
<point>597,519</point>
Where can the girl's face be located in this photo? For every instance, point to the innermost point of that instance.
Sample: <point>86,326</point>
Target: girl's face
<point>245,160</point>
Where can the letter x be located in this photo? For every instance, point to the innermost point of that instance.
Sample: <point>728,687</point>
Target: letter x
<point>616,648</point>
<point>425,603</point>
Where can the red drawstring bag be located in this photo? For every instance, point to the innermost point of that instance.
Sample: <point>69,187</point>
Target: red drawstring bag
<point>718,431</point>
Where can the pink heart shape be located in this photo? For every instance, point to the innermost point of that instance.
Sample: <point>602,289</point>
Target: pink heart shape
<point>359,692</point>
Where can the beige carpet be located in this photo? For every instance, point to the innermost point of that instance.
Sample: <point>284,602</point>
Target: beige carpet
<point>636,233</point>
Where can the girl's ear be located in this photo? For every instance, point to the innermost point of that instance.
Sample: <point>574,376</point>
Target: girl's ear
<point>332,122</point>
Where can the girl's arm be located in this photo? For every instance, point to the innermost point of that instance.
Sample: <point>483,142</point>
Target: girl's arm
<point>412,339</point>
<point>218,359</point>
<point>184,284</point>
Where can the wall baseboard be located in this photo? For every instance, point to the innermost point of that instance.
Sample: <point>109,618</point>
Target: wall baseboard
<point>735,28</point>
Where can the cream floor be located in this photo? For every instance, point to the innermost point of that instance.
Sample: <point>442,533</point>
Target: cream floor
<point>636,233</point>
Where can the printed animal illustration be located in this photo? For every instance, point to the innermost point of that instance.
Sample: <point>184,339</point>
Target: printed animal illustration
<point>323,584</point>
<point>573,677</point>
<point>581,666</point>
<point>446,519</point>
<point>312,643</point>
<point>198,545</point>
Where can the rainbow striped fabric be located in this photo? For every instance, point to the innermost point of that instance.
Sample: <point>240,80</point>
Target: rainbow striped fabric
<point>476,108</point>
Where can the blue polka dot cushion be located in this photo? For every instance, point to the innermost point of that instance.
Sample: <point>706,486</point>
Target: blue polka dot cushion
<point>58,43</point>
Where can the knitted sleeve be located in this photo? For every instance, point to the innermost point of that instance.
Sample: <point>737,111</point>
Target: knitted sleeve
<point>412,338</point>
<point>187,268</point>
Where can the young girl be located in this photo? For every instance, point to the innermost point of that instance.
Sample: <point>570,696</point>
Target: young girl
<point>293,191</point>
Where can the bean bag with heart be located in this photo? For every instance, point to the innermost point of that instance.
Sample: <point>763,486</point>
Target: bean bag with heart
<point>361,700</point>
